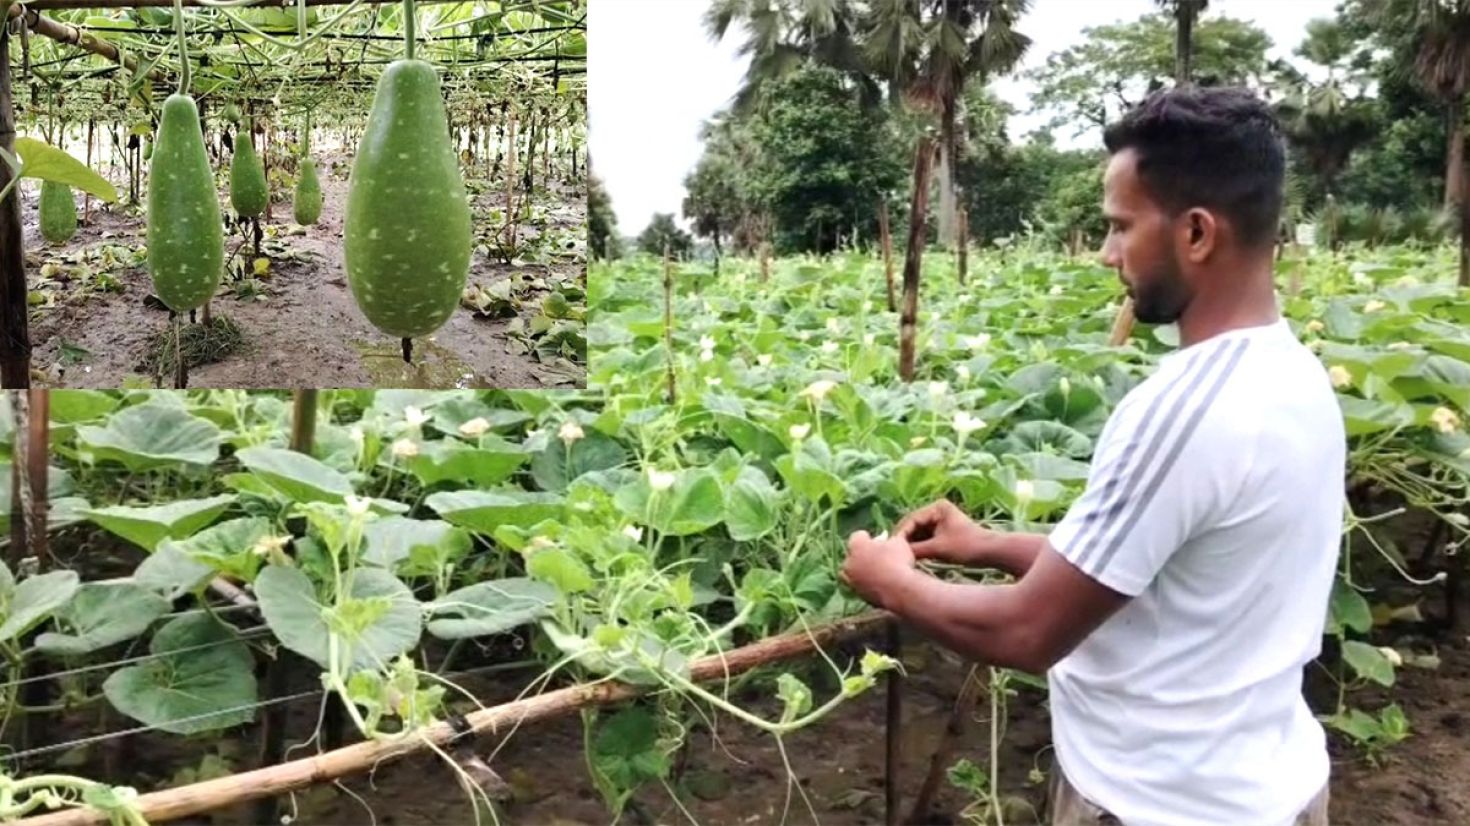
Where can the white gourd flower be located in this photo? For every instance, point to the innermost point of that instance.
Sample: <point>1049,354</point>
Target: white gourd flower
<point>357,505</point>
<point>570,432</point>
<point>474,428</point>
<point>829,347</point>
<point>1373,306</point>
<point>1340,376</point>
<point>633,532</point>
<point>660,480</point>
<point>764,359</point>
<point>405,449</point>
<point>869,340</point>
<point>818,390</point>
<point>938,389</point>
<point>797,432</point>
<point>962,372</point>
<point>1445,420</point>
<point>965,424</point>
<point>416,417</point>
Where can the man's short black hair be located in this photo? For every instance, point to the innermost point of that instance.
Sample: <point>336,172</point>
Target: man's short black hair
<point>1214,147</point>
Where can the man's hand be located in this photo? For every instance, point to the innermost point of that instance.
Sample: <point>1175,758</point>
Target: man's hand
<point>874,566</point>
<point>942,531</point>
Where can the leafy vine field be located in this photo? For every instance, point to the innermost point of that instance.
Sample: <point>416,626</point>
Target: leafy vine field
<point>425,552</point>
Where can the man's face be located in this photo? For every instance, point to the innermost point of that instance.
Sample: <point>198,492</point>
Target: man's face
<point>1141,245</point>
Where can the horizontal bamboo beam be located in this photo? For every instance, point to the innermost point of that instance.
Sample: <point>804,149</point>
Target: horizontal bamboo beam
<point>64,33</point>
<point>209,795</point>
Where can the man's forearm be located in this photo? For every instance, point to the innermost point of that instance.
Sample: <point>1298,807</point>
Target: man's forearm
<point>985,623</point>
<point>1013,553</point>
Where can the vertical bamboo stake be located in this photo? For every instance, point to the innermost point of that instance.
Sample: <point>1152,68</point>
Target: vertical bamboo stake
<point>273,729</point>
<point>914,258</point>
<point>887,241</point>
<point>510,181</point>
<point>893,728</point>
<point>87,200</point>
<point>669,321</point>
<point>964,243</point>
<point>954,731</point>
<point>1122,324</point>
<point>15,338</point>
<point>265,164</point>
<point>36,454</point>
<point>19,486</point>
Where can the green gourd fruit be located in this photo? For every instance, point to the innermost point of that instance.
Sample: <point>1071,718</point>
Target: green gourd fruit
<point>186,244</point>
<point>407,225</point>
<point>247,178</point>
<point>232,113</point>
<point>58,212</point>
<point>308,203</point>
<point>147,150</point>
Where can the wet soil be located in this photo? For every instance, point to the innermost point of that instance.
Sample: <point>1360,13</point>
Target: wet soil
<point>301,326</point>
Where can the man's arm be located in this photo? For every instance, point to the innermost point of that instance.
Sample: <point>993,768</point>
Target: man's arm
<point>1029,625</point>
<point>1013,553</point>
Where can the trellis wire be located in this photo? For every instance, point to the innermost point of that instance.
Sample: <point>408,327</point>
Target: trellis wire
<point>113,735</point>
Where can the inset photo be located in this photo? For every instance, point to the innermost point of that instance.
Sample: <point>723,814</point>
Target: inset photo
<point>358,194</point>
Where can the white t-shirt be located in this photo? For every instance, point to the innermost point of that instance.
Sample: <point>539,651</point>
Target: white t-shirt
<point>1214,500</point>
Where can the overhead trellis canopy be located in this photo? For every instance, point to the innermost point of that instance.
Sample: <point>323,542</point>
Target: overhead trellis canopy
<point>86,56</point>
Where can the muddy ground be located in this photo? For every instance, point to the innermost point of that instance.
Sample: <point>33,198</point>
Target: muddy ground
<point>93,327</point>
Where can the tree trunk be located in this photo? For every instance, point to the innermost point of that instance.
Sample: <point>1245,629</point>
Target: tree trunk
<point>913,258</point>
<point>1464,241</point>
<point>887,240</point>
<point>964,244</point>
<point>1183,42</point>
<point>1454,173</point>
<point>15,339</point>
<point>717,254</point>
<point>948,142</point>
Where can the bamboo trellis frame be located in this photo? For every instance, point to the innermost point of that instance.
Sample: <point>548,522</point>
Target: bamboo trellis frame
<point>209,795</point>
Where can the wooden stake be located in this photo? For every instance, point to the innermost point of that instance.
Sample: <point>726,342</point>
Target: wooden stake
<point>954,730</point>
<point>1122,324</point>
<point>914,258</point>
<point>36,454</point>
<point>510,182</point>
<point>964,244</point>
<point>669,322</point>
<point>15,338</point>
<point>18,485</point>
<point>87,199</point>
<point>893,728</point>
<point>887,241</point>
<point>209,795</point>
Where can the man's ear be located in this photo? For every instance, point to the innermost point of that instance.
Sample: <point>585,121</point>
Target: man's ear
<point>1201,234</point>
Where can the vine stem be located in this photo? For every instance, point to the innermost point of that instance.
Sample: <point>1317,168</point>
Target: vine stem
<point>183,48</point>
<point>408,29</point>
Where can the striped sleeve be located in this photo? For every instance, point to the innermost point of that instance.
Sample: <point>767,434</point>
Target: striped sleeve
<point>1157,475</point>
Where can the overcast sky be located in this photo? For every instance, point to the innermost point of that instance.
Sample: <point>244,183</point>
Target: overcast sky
<point>654,76</point>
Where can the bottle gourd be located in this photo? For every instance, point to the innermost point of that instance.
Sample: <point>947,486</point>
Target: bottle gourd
<point>407,225</point>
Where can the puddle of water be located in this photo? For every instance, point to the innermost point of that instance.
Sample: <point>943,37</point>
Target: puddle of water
<point>433,368</point>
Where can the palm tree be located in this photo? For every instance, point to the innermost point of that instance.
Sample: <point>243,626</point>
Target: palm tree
<point>929,50</point>
<point>1186,12</point>
<point>1441,65</point>
<point>782,34</point>
<point>1331,119</point>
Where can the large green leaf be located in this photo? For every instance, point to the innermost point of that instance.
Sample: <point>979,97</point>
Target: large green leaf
<point>694,503</point>
<point>298,476</point>
<point>380,620</point>
<point>30,602</point>
<point>751,506</point>
<point>1047,437</point>
<point>102,614</point>
<point>450,460</point>
<point>44,162</point>
<point>493,607</point>
<point>172,573</point>
<point>1348,610</point>
<point>1364,416</point>
<point>483,511</point>
<point>150,524</point>
<point>558,465</point>
<point>228,548</point>
<point>76,406</point>
<point>152,435</point>
<point>1368,662</point>
<point>395,540</point>
<point>207,685</point>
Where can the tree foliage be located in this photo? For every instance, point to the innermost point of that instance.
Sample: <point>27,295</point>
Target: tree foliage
<point>662,234</point>
<point>602,222</point>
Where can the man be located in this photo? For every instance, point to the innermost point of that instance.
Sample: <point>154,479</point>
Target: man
<point>1177,602</point>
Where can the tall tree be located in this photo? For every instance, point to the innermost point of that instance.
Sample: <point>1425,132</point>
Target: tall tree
<point>1327,121</point>
<point>602,222</point>
<point>782,35</point>
<point>1437,36</point>
<point>1090,84</point>
<point>663,235</point>
<point>931,49</point>
<point>1185,12</point>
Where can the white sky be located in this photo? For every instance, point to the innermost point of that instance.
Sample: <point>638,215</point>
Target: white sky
<point>654,77</point>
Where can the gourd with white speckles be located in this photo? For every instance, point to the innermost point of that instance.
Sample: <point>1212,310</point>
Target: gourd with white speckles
<point>247,178</point>
<point>407,223</point>
<point>58,212</point>
<point>308,204</point>
<point>186,241</point>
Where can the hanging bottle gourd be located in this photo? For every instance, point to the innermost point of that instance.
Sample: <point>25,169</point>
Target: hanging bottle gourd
<point>307,205</point>
<point>407,225</point>
<point>185,234</point>
<point>247,177</point>
<point>58,212</point>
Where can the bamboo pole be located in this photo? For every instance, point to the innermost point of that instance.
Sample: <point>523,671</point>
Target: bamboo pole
<point>886,238</point>
<point>209,795</point>
<point>1122,324</point>
<point>63,33</point>
<point>893,728</point>
<point>38,439</point>
<point>669,323</point>
<point>913,259</point>
<point>18,485</point>
<point>15,337</point>
<point>954,732</point>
